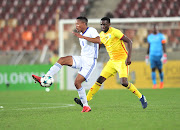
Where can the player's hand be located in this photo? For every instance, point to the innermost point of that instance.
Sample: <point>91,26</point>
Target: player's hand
<point>128,61</point>
<point>77,35</point>
<point>147,59</point>
<point>164,58</point>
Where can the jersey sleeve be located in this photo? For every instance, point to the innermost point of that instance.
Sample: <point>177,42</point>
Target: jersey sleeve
<point>101,37</point>
<point>94,33</point>
<point>118,33</point>
<point>163,41</point>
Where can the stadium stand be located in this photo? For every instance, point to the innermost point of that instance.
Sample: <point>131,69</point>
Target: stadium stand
<point>37,17</point>
<point>147,8</point>
<point>150,8</point>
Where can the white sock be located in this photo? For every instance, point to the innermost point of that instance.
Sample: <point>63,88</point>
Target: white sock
<point>54,69</point>
<point>82,96</point>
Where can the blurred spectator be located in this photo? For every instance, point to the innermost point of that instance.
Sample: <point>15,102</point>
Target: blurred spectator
<point>109,15</point>
<point>27,35</point>
<point>54,58</point>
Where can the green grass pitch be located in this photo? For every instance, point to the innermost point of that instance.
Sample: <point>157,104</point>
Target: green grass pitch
<point>111,110</point>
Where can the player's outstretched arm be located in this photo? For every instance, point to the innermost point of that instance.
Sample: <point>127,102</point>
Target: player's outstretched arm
<point>93,40</point>
<point>129,43</point>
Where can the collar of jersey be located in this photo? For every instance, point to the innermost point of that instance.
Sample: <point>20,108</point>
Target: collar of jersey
<point>155,34</point>
<point>108,30</point>
<point>85,31</point>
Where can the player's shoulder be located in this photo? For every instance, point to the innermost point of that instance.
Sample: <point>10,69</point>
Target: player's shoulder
<point>114,29</point>
<point>150,35</point>
<point>91,29</point>
<point>160,34</point>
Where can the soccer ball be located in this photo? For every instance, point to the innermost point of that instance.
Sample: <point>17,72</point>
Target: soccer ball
<point>47,80</point>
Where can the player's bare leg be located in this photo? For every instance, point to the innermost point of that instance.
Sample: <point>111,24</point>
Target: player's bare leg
<point>67,60</point>
<point>134,90</point>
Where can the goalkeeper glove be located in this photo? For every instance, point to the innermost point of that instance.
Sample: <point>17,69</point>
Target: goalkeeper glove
<point>164,58</point>
<point>147,59</point>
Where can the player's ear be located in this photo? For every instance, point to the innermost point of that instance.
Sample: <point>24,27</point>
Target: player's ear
<point>85,24</point>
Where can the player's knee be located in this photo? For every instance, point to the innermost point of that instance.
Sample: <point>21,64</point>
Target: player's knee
<point>67,60</point>
<point>160,70</point>
<point>62,60</point>
<point>153,69</point>
<point>101,79</point>
<point>125,84</point>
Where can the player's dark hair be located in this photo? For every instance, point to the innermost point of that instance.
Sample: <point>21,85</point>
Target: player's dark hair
<point>55,52</point>
<point>106,18</point>
<point>83,19</point>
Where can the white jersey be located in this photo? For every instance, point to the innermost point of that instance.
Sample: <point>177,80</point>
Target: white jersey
<point>89,49</point>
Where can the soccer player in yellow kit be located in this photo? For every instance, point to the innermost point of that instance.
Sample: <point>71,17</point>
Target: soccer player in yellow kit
<point>120,59</point>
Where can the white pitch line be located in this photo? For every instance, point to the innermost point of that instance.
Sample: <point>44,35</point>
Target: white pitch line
<point>30,108</point>
<point>68,105</point>
<point>37,103</point>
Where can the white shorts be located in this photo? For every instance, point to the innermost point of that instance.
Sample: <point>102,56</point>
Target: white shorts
<point>85,65</point>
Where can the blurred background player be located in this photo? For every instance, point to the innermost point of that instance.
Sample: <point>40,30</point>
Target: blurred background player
<point>120,59</point>
<point>156,53</point>
<point>89,41</point>
<point>54,58</point>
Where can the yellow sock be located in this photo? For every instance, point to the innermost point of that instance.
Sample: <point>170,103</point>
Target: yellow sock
<point>134,90</point>
<point>93,90</point>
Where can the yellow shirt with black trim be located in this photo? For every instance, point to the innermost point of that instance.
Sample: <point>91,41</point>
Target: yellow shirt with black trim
<point>114,45</point>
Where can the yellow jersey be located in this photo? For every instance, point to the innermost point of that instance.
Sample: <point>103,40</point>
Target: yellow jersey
<point>113,43</point>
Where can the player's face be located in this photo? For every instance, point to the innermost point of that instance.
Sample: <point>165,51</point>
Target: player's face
<point>155,29</point>
<point>105,25</point>
<point>79,25</point>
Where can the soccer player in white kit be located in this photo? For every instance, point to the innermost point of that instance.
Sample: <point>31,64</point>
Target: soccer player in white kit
<point>89,41</point>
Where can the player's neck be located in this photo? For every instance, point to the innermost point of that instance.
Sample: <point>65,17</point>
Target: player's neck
<point>83,30</point>
<point>105,31</point>
<point>155,32</point>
